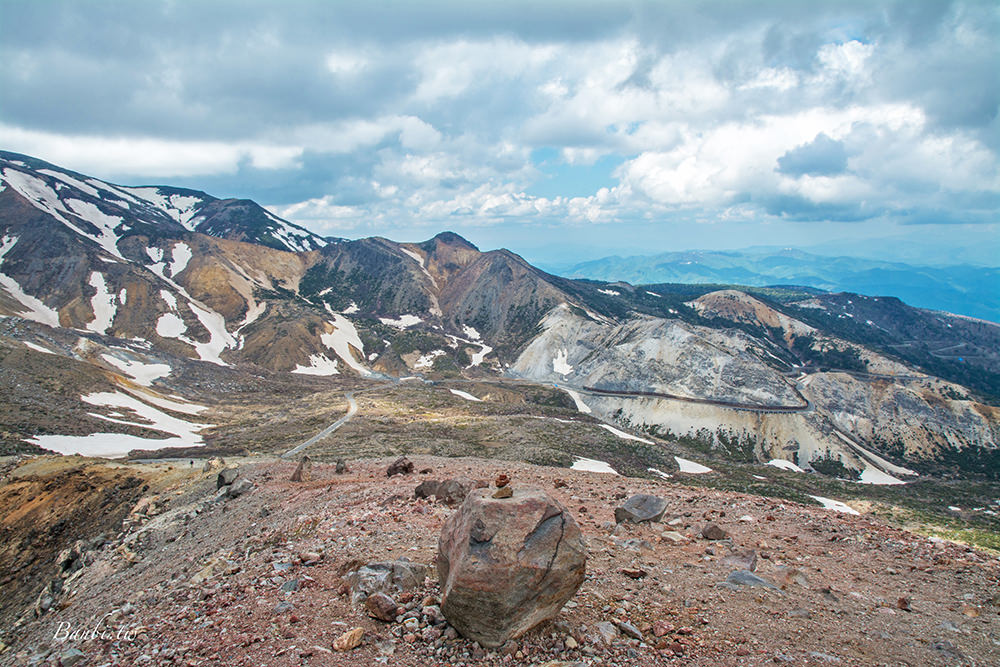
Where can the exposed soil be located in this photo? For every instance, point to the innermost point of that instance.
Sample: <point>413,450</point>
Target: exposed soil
<point>205,586</point>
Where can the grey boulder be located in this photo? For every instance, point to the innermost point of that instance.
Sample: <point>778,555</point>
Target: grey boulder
<point>641,507</point>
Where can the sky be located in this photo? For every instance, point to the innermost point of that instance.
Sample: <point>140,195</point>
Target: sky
<point>561,130</point>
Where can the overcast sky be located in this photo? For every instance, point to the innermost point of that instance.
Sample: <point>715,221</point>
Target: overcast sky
<point>562,130</point>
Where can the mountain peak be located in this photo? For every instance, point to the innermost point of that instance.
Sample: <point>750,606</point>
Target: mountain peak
<point>451,239</point>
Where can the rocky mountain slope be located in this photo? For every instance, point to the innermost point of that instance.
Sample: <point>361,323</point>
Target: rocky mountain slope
<point>142,310</point>
<point>184,575</point>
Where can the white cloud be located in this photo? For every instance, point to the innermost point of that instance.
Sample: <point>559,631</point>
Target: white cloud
<point>149,156</point>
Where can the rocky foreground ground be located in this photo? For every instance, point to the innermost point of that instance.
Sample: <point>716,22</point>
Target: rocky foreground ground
<point>259,576</point>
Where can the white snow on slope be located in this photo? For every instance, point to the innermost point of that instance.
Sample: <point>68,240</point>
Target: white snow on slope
<point>69,180</point>
<point>835,505</point>
<point>342,339</point>
<point>155,254</point>
<point>560,364</point>
<point>180,405</point>
<point>470,332</point>
<point>427,360</point>
<point>691,467</point>
<point>654,294</point>
<point>784,465</point>
<point>351,309</point>
<point>170,326</point>
<point>423,267</point>
<point>119,444</point>
<point>169,298</point>
<point>179,207</point>
<point>580,405</point>
<point>477,357</point>
<point>37,348</point>
<point>592,465</point>
<point>872,475</point>
<point>623,435</point>
<point>142,373</point>
<point>609,292</point>
<point>659,473</point>
<point>181,256</point>
<point>319,364</point>
<point>40,195</point>
<point>103,304</point>
<point>105,224</point>
<point>404,321</point>
<point>466,395</point>
<point>36,310</point>
<point>219,338</point>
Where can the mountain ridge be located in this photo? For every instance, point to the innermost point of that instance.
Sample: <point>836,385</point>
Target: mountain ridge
<point>159,281</point>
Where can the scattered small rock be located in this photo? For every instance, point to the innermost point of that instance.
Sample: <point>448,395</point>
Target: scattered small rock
<point>341,467</point>
<point>381,606</point>
<point>401,466</point>
<point>713,532</point>
<point>349,640</point>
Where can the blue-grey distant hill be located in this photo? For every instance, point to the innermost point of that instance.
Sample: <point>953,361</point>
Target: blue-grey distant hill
<point>968,290</point>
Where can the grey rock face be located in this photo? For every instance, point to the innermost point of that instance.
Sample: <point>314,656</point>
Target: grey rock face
<point>226,477</point>
<point>641,507</point>
<point>391,577</point>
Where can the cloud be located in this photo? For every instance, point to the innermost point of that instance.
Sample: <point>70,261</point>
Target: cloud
<point>821,157</point>
<point>365,117</point>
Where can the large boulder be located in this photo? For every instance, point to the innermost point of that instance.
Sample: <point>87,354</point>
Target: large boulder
<point>506,565</point>
<point>641,507</point>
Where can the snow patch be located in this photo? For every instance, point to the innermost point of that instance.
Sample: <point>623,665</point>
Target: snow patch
<point>784,465</point>
<point>467,396</point>
<point>835,505</point>
<point>103,304</point>
<point>106,224</point>
<point>169,298</point>
<point>342,339</point>
<point>170,326</point>
<point>427,360</point>
<point>561,364</point>
<point>155,254</point>
<point>691,467</point>
<point>351,309</point>
<point>142,373</point>
<point>660,296</point>
<point>470,332</point>
<point>37,348</point>
<point>404,321</point>
<point>580,405</point>
<point>872,475</point>
<point>623,435</point>
<point>659,473</point>
<point>592,465</point>
<point>181,256</point>
<point>319,364</point>
<point>36,310</point>
<point>609,292</point>
<point>119,444</point>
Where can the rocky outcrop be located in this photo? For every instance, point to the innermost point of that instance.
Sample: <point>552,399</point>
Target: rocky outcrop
<point>506,565</point>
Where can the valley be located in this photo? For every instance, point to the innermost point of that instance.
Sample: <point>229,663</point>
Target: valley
<point>148,334</point>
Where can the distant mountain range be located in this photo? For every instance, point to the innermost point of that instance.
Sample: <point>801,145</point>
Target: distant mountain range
<point>962,289</point>
<point>159,292</point>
